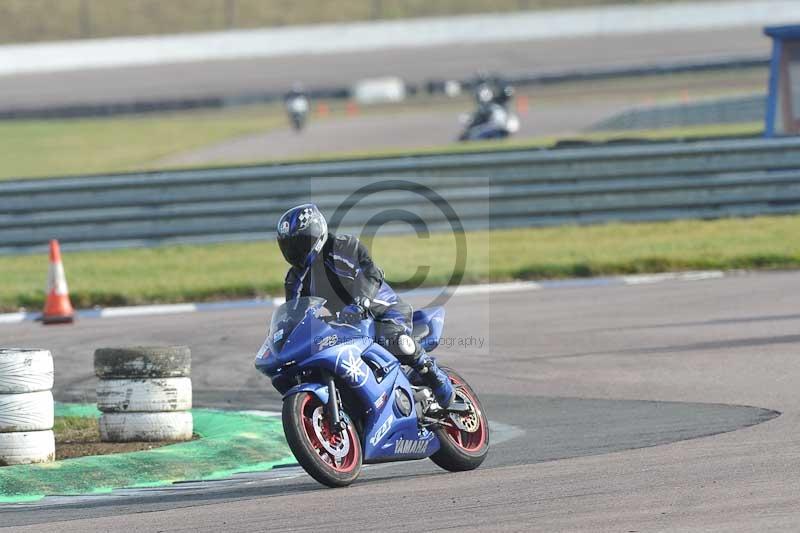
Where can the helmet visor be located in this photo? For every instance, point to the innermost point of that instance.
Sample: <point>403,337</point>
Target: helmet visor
<point>296,249</point>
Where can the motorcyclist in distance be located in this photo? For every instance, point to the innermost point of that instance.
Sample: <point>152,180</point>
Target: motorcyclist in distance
<point>503,93</point>
<point>340,269</point>
<point>296,103</point>
<point>484,96</point>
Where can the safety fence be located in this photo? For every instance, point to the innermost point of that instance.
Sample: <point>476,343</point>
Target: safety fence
<point>500,189</point>
<point>731,110</point>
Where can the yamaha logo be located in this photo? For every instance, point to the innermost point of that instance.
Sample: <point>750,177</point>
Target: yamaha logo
<point>414,447</point>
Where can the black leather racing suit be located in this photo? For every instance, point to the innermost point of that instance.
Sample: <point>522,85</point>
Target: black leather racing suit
<point>344,271</point>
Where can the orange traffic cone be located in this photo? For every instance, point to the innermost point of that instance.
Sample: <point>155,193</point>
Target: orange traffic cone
<point>522,104</point>
<point>58,308</point>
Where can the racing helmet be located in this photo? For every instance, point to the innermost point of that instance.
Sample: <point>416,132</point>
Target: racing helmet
<point>302,232</point>
<point>484,94</point>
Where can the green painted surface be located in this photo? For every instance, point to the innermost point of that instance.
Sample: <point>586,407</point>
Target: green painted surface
<point>230,442</point>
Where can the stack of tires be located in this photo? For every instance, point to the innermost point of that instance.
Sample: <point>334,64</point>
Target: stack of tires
<point>144,393</point>
<point>26,407</point>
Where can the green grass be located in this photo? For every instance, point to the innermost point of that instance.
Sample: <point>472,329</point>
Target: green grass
<point>42,20</point>
<point>39,148</point>
<point>76,429</point>
<point>197,273</point>
<point>747,129</point>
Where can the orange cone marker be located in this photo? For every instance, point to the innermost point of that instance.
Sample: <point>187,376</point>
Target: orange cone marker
<point>58,308</point>
<point>522,104</point>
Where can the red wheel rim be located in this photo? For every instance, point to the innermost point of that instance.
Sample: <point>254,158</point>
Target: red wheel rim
<point>340,464</point>
<point>468,441</point>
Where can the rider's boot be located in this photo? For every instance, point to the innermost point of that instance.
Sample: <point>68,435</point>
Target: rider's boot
<point>411,353</point>
<point>435,378</point>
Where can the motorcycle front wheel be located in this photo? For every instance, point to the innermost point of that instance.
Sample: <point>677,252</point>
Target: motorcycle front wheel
<point>465,440</point>
<point>333,459</point>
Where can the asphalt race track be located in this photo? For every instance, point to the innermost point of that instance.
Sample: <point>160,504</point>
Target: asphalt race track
<point>615,409</point>
<point>397,131</point>
<point>415,65</point>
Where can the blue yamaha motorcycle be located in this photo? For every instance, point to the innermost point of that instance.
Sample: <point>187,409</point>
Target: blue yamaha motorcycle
<point>347,401</point>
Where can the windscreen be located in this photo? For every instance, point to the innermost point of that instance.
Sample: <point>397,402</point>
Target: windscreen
<point>287,317</point>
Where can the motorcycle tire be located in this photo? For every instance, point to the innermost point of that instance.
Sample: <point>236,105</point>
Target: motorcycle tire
<point>333,460</point>
<point>463,450</point>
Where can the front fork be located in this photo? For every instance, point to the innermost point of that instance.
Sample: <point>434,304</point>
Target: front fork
<point>334,417</point>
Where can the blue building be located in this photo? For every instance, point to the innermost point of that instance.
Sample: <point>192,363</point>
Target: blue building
<point>783,103</point>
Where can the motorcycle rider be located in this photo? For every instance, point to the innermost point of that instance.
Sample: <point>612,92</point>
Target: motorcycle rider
<point>296,103</point>
<point>491,118</point>
<point>503,93</point>
<point>340,269</point>
<point>484,97</point>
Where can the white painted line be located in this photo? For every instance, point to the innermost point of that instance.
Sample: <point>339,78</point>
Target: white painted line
<point>141,310</point>
<point>667,276</point>
<point>12,318</point>
<point>364,36</point>
<point>701,275</point>
<point>464,290</point>
<point>488,288</point>
<point>642,279</point>
<point>500,432</point>
<point>263,414</point>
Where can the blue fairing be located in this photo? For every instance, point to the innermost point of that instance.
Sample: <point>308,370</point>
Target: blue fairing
<point>373,376</point>
<point>317,389</point>
<point>432,317</point>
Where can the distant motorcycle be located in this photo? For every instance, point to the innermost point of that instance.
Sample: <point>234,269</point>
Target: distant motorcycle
<point>491,121</point>
<point>297,108</point>
<point>348,401</point>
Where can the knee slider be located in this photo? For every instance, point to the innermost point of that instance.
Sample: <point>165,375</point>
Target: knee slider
<point>406,345</point>
<point>402,346</point>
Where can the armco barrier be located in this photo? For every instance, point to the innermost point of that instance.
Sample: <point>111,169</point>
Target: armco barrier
<point>486,190</point>
<point>720,111</point>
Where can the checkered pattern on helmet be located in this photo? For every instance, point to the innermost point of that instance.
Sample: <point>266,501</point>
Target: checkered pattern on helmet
<point>305,217</point>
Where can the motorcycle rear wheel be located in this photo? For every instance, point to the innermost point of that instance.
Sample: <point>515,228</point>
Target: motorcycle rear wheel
<point>463,450</point>
<point>332,459</point>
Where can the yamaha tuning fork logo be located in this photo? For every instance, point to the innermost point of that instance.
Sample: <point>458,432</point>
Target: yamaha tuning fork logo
<point>351,367</point>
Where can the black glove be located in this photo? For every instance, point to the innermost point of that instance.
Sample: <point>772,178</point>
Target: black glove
<point>352,314</point>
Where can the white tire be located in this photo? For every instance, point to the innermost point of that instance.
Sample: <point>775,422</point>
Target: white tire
<point>143,362</point>
<point>130,427</point>
<point>28,447</point>
<point>32,411</point>
<point>25,370</point>
<point>144,395</point>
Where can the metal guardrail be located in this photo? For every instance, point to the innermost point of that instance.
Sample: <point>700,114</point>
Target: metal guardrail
<point>485,190</point>
<point>733,110</point>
